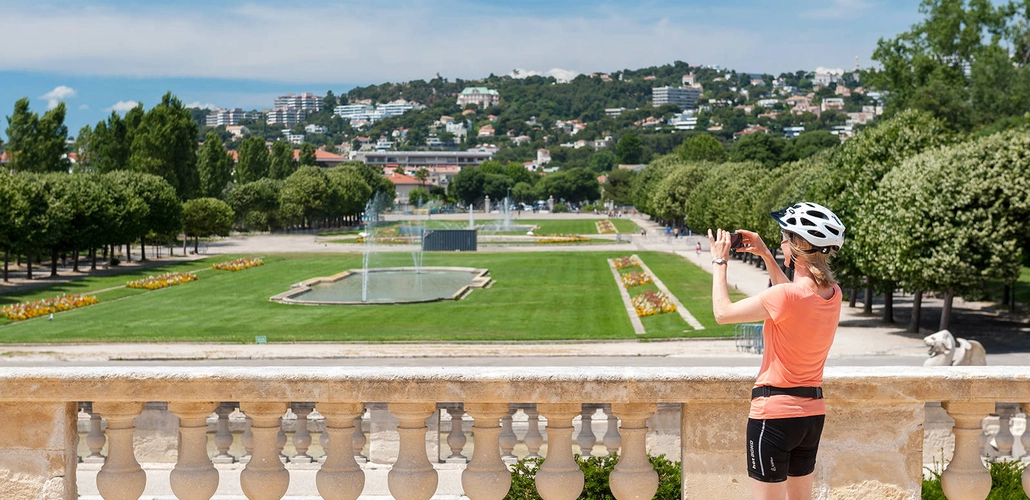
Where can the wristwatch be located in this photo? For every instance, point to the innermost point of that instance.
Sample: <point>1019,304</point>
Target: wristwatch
<point>719,261</point>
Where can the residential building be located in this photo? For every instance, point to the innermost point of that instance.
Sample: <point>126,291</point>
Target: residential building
<point>684,97</point>
<point>768,103</point>
<point>286,116</point>
<point>416,159</point>
<point>772,115</point>
<point>751,129</point>
<point>442,175</point>
<point>688,80</point>
<point>480,96</point>
<point>602,143</point>
<point>229,117</point>
<point>683,121</point>
<point>799,99</point>
<point>291,137</point>
<point>306,102</point>
<point>860,118</point>
<point>237,131</point>
<point>445,120</point>
<point>613,112</point>
<point>792,132</point>
<point>842,91</point>
<point>353,111</point>
<point>832,103</point>
<point>543,156</point>
<point>826,76</point>
<point>522,139</point>
<point>359,112</point>
<point>757,82</point>
<point>383,145</point>
<point>486,131</point>
<point>843,131</point>
<point>316,129</point>
<point>323,158</point>
<point>434,142</point>
<point>404,185</point>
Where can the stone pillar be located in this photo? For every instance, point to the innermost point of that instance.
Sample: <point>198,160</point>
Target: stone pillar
<point>340,477</point>
<point>586,439</point>
<point>301,436</point>
<point>508,439</point>
<point>280,440</point>
<point>712,437</point>
<point>1004,439</point>
<point>486,477</point>
<point>121,477</point>
<point>1025,439</point>
<point>612,439</point>
<point>223,436</point>
<point>358,440</point>
<point>37,455</point>
<point>95,438</point>
<point>194,476</point>
<point>265,477</point>
<point>966,478</point>
<point>412,476</point>
<point>559,477</point>
<point>534,439</point>
<point>248,439</point>
<point>456,437</point>
<point>633,477</point>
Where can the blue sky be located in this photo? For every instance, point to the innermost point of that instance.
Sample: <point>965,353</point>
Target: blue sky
<point>99,55</point>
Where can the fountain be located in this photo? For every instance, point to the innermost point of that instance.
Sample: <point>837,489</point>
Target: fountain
<point>374,284</point>
<point>505,223</point>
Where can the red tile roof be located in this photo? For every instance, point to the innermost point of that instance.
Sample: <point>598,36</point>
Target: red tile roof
<point>401,179</point>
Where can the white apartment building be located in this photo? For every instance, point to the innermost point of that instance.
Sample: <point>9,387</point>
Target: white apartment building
<point>307,101</point>
<point>316,129</point>
<point>227,117</point>
<point>684,97</point>
<point>286,116</point>
<point>481,96</point>
<point>362,112</point>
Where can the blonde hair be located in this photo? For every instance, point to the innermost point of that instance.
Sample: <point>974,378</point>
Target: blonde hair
<point>818,263</point>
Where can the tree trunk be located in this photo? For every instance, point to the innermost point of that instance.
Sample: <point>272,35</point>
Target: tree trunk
<point>53,262</point>
<point>196,244</point>
<point>853,297</point>
<point>1005,295</point>
<point>888,303</point>
<point>7,260</point>
<point>949,297</point>
<point>28,265</point>
<point>142,249</point>
<point>75,261</point>
<point>917,309</point>
<point>93,258</point>
<point>128,252</point>
<point>867,308</point>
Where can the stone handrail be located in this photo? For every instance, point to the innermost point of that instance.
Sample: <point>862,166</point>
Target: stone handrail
<point>871,448</point>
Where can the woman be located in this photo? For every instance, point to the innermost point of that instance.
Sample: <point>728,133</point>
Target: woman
<point>801,316</point>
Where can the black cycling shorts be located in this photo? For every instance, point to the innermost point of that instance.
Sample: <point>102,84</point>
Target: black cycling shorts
<point>781,447</point>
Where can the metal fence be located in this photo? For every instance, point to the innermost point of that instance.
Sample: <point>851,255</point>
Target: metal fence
<point>748,338</point>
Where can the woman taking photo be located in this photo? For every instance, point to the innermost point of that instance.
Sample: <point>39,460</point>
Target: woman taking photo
<point>800,319</point>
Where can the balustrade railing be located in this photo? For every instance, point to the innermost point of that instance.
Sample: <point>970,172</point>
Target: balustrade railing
<point>871,447</point>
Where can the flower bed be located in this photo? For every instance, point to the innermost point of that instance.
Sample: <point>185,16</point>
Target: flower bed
<point>650,303</point>
<point>635,278</point>
<point>18,312</point>
<point>561,238</point>
<point>605,227</point>
<point>162,281</point>
<point>382,239</point>
<point>624,262</point>
<point>239,264</point>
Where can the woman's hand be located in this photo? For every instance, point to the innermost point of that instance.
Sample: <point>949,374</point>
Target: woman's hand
<point>753,243</point>
<point>719,245</point>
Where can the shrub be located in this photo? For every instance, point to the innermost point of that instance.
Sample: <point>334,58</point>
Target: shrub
<point>560,208</point>
<point>1006,483</point>
<point>596,471</point>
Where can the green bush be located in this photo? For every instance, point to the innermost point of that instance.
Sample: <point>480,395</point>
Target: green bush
<point>1006,483</point>
<point>596,471</point>
<point>560,208</point>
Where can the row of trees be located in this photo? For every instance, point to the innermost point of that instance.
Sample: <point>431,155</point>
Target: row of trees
<point>473,184</point>
<point>926,209</point>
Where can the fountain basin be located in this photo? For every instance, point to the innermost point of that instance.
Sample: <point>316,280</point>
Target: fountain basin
<point>393,285</point>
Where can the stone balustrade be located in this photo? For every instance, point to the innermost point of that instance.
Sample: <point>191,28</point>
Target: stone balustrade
<point>871,448</point>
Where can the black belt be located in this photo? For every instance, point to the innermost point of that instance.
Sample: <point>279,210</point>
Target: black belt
<point>801,392</point>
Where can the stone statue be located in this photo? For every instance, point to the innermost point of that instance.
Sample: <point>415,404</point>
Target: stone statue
<point>946,350</point>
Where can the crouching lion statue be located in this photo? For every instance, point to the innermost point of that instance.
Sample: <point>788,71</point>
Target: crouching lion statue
<point>946,350</point>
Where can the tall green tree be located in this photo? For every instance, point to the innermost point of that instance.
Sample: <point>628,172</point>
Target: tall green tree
<point>37,144</point>
<point>253,160</point>
<point>256,205</point>
<point>215,167</point>
<point>618,187</point>
<point>282,165</point>
<point>165,144</point>
<point>307,155</point>
<point>13,211</point>
<point>630,150</point>
<point>110,143</point>
<point>306,196</point>
<point>701,147</point>
<point>206,217</point>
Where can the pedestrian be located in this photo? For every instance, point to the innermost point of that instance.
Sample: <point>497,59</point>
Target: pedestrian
<point>676,233</point>
<point>699,250</point>
<point>800,318</point>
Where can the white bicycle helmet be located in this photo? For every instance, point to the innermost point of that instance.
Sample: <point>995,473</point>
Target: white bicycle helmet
<point>813,222</point>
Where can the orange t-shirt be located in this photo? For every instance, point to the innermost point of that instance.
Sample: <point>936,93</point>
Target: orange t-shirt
<point>798,335</point>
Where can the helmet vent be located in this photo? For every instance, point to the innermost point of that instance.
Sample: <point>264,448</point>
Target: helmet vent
<point>817,234</point>
<point>806,222</point>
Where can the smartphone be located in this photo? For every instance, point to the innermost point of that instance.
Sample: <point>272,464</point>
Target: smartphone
<point>736,241</point>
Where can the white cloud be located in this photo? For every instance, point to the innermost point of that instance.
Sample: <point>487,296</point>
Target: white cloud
<point>557,73</point>
<point>57,95</point>
<point>122,106</point>
<point>199,105</point>
<point>84,106</point>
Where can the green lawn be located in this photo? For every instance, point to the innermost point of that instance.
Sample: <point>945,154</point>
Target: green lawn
<point>577,226</point>
<point>538,296</point>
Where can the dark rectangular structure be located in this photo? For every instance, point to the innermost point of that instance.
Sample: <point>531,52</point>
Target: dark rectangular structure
<point>449,240</point>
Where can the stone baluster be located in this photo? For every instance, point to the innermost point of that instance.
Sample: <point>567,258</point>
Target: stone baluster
<point>248,439</point>
<point>194,476</point>
<point>508,439</point>
<point>264,477</point>
<point>534,439</point>
<point>456,437</point>
<point>359,440</point>
<point>121,477</point>
<point>633,477</point>
<point>340,477</point>
<point>301,437</point>
<point>1004,439</point>
<point>966,478</point>
<point>412,476</point>
<point>486,477</point>
<point>280,441</point>
<point>223,436</point>
<point>95,438</point>
<point>559,477</point>
<point>612,439</point>
<point>1025,439</point>
<point>586,439</point>
<point>323,440</point>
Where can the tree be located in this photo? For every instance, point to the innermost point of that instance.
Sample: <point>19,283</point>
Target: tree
<point>701,147</point>
<point>603,161</point>
<point>305,196</point>
<point>165,144</point>
<point>467,186</point>
<point>283,164</point>
<point>206,217</point>
<point>349,192</point>
<point>811,142</point>
<point>256,204</point>
<point>163,217</point>
<point>572,185</point>
<point>630,150</point>
<point>253,160</point>
<point>418,196</point>
<point>110,144</point>
<point>13,210</point>
<point>37,144</point>
<point>619,186</point>
<point>215,167</point>
<point>422,175</point>
<point>307,155</point>
<point>761,148</point>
